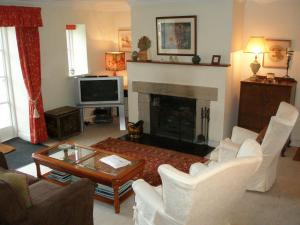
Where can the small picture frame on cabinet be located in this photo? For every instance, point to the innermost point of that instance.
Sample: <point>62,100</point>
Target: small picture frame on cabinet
<point>216,59</point>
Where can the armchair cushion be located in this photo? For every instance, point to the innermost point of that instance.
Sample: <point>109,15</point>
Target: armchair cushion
<point>239,135</point>
<point>19,184</point>
<point>198,168</point>
<point>261,135</point>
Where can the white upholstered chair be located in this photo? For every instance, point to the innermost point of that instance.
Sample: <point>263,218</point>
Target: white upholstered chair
<point>205,196</point>
<point>277,134</point>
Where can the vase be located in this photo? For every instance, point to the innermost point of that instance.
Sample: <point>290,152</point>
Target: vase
<point>143,55</point>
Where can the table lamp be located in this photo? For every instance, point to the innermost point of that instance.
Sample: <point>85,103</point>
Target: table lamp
<point>115,61</point>
<point>256,45</point>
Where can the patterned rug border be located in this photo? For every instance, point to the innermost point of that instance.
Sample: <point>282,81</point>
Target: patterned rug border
<point>154,156</point>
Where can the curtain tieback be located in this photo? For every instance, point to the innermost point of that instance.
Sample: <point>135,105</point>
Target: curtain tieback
<point>36,114</point>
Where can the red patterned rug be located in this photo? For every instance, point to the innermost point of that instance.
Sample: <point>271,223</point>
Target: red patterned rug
<point>153,156</point>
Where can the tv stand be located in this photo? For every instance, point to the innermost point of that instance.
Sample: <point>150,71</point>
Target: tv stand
<point>120,109</point>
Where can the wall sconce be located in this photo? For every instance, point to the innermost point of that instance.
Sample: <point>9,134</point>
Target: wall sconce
<point>115,61</point>
<point>256,45</point>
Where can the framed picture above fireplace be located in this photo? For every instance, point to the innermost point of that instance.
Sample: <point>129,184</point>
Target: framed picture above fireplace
<point>176,35</point>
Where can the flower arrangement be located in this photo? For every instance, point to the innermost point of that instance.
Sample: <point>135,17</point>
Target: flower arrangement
<point>144,43</point>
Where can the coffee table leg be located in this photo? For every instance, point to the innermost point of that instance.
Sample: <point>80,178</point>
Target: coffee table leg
<point>116,198</point>
<point>38,170</point>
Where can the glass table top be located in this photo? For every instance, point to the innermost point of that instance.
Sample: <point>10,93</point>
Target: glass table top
<point>94,163</point>
<point>69,153</point>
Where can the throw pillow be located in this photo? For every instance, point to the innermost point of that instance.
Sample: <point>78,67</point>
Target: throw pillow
<point>261,135</point>
<point>18,183</point>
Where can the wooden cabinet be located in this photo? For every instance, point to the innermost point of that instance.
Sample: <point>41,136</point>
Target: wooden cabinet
<point>260,99</point>
<point>63,122</point>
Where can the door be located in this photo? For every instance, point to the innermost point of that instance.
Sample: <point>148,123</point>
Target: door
<point>7,116</point>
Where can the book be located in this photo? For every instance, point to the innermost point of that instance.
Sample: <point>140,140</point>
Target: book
<point>115,161</point>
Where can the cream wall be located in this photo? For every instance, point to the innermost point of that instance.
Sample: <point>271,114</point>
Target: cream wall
<point>280,20</point>
<point>102,35</point>
<point>214,36</point>
<point>214,25</point>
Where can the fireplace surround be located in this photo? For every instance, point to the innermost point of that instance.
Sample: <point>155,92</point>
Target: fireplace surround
<point>195,96</point>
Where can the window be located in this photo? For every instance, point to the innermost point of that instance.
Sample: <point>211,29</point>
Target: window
<point>7,118</point>
<point>77,50</point>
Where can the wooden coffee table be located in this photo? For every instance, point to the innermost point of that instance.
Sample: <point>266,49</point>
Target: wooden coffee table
<point>82,161</point>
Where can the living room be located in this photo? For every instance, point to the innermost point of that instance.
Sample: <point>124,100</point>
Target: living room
<point>220,32</point>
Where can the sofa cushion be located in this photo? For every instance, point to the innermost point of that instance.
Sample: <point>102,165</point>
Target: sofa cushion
<point>42,190</point>
<point>30,179</point>
<point>19,184</point>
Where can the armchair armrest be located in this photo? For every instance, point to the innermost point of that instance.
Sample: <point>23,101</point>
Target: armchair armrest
<point>239,135</point>
<point>147,194</point>
<point>3,162</point>
<point>72,204</point>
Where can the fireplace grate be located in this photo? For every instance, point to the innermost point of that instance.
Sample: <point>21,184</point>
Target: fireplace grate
<point>173,117</point>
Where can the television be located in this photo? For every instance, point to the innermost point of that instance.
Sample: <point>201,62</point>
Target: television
<point>93,90</point>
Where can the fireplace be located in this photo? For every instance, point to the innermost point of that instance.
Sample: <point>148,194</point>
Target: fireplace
<point>173,117</point>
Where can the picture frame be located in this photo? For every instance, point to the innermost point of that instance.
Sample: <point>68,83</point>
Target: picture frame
<point>216,59</point>
<point>124,40</point>
<point>276,56</point>
<point>176,35</point>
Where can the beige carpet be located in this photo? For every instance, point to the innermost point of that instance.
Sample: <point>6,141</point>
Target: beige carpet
<point>279,206</point>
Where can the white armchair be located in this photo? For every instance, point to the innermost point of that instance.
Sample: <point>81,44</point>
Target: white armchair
<point>205,196</point>
<point>276,136</point>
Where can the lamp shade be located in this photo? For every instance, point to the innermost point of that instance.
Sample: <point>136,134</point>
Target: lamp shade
<point>115,61</point>
<point>256,45</point>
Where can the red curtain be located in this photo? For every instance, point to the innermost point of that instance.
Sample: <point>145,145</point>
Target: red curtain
<point>29,53</point>
<point>27,20</point>
<point>13,16</point>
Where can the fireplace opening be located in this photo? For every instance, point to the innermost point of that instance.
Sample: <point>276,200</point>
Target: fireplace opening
<point>173,117</point>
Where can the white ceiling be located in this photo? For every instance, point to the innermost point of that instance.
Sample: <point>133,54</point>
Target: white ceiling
<point>106,5</point>
<point>101,5</point>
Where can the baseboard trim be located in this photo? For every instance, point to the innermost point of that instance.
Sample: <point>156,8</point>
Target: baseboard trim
<point>24,136</point>
<point>295,143</point>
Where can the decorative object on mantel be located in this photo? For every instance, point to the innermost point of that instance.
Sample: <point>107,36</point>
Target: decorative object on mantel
<point>134,56</point>
<point>144,44</point>
<point>256,45</point>
<point>271,77</point>
<point>216,59</point>
<point>125,40</point>
<point>196,59</point>
<point>115,61</point>
<point>180,63</point>
<point>176,35</point>
<point>289,54</point>
<point>276,56</point>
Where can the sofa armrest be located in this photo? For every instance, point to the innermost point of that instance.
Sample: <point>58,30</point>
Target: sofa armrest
<point>12,210</point>
<point>3,162</point>
<point>239,135</point>
<point>71,205</point>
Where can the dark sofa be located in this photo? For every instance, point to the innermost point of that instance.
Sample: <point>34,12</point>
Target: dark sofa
<point>51,204</point>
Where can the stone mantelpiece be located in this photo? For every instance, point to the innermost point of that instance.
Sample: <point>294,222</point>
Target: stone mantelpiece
<point>187,91</point>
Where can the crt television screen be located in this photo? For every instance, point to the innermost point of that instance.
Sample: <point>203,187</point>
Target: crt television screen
<point>99,90</point>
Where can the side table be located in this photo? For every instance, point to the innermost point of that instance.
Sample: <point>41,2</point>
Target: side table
<point>63,122</point>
